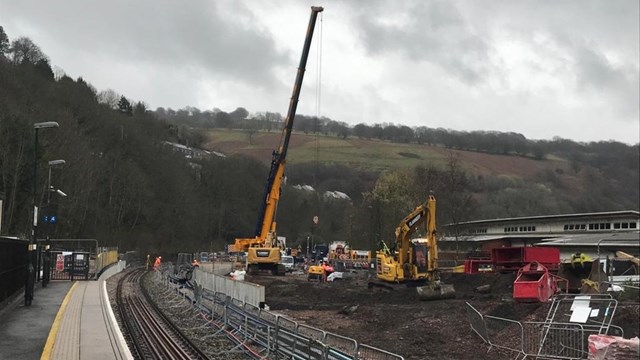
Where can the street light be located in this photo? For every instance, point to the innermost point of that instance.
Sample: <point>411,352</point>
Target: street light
<point>30,281</point>
<point>52,164</point>
<point>46,264</point>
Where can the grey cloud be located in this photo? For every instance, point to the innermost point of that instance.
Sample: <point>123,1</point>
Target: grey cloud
<point>435,32</point>
<point>219,37</point>
<point>617,83</point>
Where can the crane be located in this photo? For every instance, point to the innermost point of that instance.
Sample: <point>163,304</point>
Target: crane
<point>263,250</point>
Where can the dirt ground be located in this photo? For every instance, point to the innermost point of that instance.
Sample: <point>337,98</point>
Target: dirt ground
<point>398,322</point>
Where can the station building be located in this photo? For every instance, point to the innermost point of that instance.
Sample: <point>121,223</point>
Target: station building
<point>598,234</point>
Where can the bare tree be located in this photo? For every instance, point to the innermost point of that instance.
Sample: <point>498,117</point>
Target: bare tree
<point>109,97</point>
<point>25,50</point>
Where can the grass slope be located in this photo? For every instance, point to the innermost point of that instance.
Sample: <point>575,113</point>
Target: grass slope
<point>371,154</point>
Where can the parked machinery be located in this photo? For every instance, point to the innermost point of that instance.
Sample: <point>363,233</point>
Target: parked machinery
<point>414,262</point>
<point>263,251</point>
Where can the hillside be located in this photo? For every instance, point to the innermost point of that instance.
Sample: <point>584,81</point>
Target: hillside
<point>373,154</point>
<point>378,155</point>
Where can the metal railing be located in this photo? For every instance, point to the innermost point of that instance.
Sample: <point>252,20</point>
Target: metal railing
<point>271,334</point>
<point>550,339</point>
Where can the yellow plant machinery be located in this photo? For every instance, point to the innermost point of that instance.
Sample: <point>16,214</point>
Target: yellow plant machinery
<point>263,250</point>
<point>412,261</point>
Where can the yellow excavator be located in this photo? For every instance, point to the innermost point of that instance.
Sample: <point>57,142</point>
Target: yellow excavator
<point>263,250</point>
<point>413,262</point>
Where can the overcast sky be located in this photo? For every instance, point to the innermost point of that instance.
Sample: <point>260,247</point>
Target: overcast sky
<point>540,68</point>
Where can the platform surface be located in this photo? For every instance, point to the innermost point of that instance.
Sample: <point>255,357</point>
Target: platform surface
<point>66,321</point>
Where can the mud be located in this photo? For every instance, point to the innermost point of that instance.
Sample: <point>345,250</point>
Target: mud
<point>397,321</point>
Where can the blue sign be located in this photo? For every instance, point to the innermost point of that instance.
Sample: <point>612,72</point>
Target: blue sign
<point>46,219</point>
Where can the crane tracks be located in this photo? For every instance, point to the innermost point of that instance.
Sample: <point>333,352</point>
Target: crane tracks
<point>150,334</point>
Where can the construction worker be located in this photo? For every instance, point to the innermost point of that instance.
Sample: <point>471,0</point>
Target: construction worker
<point>326,270</point>
<point>156,264</point>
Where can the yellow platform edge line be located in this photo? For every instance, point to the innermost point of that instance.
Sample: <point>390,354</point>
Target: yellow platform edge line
<point>51,339</point>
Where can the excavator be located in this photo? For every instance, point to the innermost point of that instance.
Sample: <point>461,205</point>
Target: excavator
<point>412,262</point>
<point>263,250</point>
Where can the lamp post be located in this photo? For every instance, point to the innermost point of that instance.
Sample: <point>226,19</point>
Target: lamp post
<point>46,263</point>
<point>30,280</point>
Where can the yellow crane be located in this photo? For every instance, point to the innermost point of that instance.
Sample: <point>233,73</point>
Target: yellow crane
<point>263,250</point>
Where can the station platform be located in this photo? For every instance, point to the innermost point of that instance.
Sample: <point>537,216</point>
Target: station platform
<point>66,321</point>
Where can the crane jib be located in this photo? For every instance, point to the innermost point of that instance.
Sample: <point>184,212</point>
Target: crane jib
<point>293,104</point>
<point>268,207</point>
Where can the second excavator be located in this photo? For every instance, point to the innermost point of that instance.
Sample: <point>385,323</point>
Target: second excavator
<point>413,262</point>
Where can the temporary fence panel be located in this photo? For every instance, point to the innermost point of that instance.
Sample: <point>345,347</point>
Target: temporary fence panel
<point>286,336</point>
<point>555,340</point>
<point>504,333</point>
<point>551,339</point>
<point>244,291</point>
<point>477,323</point>
<point>314,343</point>
<point>340,347</point>
<point>366,352</point>
<point>595,320</point>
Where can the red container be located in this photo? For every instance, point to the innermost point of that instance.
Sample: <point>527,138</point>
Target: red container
<point>474,266</point>
<point>533,284</point>
<point>548,256</point>
<point>513,258</point>
<point>508,258</point>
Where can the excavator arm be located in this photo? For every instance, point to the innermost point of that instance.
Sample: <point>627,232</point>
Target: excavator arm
<point>415,261</point>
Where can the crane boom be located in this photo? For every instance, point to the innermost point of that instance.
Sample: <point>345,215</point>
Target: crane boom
<point>268,209</point>
<point>265,233</point>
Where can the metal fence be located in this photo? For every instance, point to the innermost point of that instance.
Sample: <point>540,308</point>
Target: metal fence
<point>272,335</point>
<point>241,290</point>
<point>68,266</point>
<point>554,338</point>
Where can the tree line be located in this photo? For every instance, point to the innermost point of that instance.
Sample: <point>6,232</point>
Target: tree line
<point>492,142</point>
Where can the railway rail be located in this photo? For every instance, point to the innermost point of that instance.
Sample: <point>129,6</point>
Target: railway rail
<point>149,333</point>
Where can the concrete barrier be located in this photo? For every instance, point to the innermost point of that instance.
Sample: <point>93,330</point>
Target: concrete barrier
<point>113,269</point>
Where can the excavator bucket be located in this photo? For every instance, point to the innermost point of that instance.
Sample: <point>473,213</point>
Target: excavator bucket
<point>596,282</point>
<point>436,291</point>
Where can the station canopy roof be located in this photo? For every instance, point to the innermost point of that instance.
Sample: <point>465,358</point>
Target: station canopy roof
<point>618,239</point>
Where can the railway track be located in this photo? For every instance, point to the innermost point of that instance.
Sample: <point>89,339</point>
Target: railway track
<point>150,334</point>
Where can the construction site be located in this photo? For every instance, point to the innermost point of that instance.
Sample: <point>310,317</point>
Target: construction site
<point>484,319</point>
<point>519,289</point>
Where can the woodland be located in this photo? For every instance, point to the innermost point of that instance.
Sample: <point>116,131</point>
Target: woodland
<point>126,187</point>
